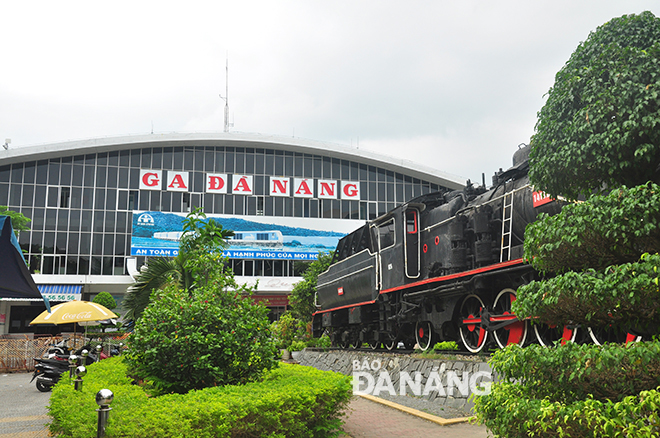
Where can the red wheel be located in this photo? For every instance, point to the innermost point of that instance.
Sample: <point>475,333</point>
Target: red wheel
<point>547,335</point>
<point>472,334</point>
<point>601,335</point>
<point>514,333</point>
<point>424,335</point>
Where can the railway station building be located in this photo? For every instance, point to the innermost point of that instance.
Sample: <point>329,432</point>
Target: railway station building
<point>100,207</point>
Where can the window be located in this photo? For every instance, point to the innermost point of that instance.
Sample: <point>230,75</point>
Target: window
<point>386,234</point>
<point>411,222</point>
<point>59,197</point>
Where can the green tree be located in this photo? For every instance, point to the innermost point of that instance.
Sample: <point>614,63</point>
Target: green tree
<point>199,238</point>
<point>106,300</point>
<point>201,328</point>
<point>303,293</point>
<point>18,221</point>
<point>599,126</point>
<point>596,136</point>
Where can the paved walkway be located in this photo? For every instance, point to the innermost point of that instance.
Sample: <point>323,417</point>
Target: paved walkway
<point>367,419</point>
<point>22,407</point>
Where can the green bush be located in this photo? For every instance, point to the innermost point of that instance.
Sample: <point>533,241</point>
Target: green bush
<point>445,345</point>
<point>510,412</point>
<point>199,338</point>
<point>571,372</point>
<point>291,401</point>
<point>600,232</point>
<point>627,295</point>
<point>297,345</point>
<point>286,330</point>
<point>599,125</point>
<point>322,342</point>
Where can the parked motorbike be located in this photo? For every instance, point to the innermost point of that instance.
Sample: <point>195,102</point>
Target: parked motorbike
<point>48,371</point>
<point>61,348</point>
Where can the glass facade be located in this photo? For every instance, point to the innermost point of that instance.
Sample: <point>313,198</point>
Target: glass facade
<point>81,206</point>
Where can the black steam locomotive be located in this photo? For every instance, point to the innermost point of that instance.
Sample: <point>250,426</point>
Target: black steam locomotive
<point>444,266</point>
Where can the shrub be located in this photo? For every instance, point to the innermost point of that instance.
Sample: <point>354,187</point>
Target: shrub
<point>510,412</point>
<point>446,345</point>
<point>602,231</point>
<point>204,337</point>
<point>291,401</point>
<point>106,300</point>
<point>627,295</point>
<point>285,330</point>
<point>298,345</point>
<point>573,372</point>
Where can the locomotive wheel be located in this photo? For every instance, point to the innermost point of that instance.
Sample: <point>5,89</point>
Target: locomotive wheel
<point>472,334</point>
<point>355,343</point>
<point>390,344</point>
<point>424,335</point>
<point>600,335</point>
<point>514,333</point>
<point>547,335</point>
<point>374,345</point>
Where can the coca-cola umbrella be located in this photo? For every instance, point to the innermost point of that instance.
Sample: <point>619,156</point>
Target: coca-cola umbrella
<point>72,312</point>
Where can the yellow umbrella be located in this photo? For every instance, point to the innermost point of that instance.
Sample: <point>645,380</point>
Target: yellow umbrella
<point>72,312</point>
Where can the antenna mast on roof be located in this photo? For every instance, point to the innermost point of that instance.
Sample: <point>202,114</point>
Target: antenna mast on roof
<point>226,97</point>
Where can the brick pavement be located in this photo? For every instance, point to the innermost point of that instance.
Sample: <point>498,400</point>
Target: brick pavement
<point>367,419</point>
<point>22,407</point>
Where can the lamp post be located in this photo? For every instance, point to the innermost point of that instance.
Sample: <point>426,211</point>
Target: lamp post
<point>103,398</point>
<point>73,363</point>
<point>81,371</point>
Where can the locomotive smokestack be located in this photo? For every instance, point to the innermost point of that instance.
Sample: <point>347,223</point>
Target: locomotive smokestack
<point>483,180</point>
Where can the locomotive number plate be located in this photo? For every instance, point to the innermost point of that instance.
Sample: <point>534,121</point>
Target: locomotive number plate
<point>541,198</point>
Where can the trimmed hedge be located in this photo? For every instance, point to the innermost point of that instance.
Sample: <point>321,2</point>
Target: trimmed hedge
<point>291,400</point>
<point>574,391</point>
<point>602,231</point>
<point>572,372</point>
<point>627,295</point>
<point>510,412</point>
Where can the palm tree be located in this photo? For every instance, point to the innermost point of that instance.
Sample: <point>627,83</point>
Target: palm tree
<point>198,236</point>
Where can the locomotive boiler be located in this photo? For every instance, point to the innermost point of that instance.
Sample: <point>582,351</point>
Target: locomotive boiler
<point>443,266</point>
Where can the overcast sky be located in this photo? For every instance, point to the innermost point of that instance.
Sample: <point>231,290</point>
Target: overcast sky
<point>455,85</point>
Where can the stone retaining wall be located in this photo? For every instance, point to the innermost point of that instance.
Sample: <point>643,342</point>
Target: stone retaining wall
<point>446,382</point>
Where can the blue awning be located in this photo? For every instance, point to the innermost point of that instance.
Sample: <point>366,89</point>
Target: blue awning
<point>61,292</point>
<point>67,289</point>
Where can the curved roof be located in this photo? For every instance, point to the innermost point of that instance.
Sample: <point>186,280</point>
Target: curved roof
<point>291,144</point>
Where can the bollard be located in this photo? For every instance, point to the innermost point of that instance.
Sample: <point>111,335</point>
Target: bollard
<point>73,359</point>
<point>103,399</point>
<point>80,373</point>
<point>84,353</point>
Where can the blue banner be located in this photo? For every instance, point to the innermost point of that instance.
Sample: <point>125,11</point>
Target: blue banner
<point>157,234</point>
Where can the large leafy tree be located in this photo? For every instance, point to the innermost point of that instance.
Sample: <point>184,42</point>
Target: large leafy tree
<point>596,136</point>
<point>18,221</point>
<point>303,293</point>
<point>199,237</point>
<point>600,125</point>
